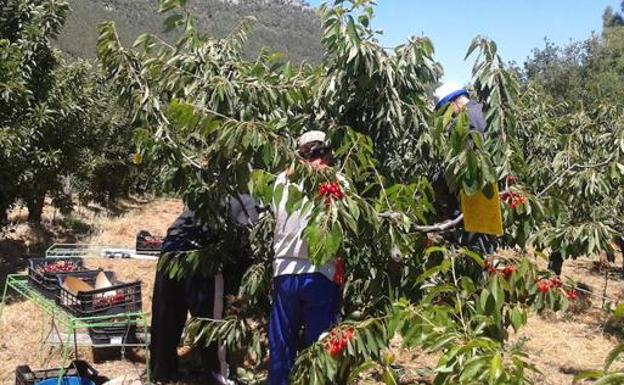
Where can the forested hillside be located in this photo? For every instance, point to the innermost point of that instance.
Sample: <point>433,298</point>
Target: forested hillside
<point>285,26</point>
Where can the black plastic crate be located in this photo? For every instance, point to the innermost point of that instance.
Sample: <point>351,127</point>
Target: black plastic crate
<point>46,282</point>
<point>118,298</point>
<point>88,276</point>
<point>85,275</point>
<point>114,335</point>
<point>24,375</point>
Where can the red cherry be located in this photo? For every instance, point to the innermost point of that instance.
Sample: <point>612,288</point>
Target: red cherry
<point>543,286</point>
<point>338,341</point>
<point>556,282</point>
<point>572,295</point>
<point>339,278</point>
<point>508,271</point>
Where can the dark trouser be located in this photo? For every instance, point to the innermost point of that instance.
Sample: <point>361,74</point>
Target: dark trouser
<point>555,262</point>
<point>203,297</point>
<point>303,300</point>
<point>483,244</point>
<point>619,241</point>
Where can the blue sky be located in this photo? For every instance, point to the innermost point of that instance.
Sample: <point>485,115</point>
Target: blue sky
<point>517,26</point>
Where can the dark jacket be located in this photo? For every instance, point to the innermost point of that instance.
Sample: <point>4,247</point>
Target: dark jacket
<point>189,233</point>
<point>476,117</point>
<point>230,252</point>
<point>186,233</point>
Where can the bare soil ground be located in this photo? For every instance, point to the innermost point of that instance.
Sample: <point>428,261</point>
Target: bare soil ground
<point>560,345</point>
<point>566,344</point>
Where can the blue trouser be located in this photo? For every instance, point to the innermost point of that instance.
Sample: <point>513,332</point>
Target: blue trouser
<point>303,300</point>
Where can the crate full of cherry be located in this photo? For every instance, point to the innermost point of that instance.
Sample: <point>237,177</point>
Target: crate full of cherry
<point>42,272</point>
<point>98,293</point>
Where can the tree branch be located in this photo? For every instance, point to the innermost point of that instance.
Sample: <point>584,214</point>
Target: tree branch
<point>437,227</point>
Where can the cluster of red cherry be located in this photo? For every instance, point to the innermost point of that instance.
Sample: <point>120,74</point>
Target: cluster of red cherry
<point>572,295</point>
<point>60,267</point>
<point>153,242</point>
<point>513,199</point>
<point>505,272</point>
<point>108,300</point>
<point>330,191</point>
<point>338,341</point>
<point>545,285</point>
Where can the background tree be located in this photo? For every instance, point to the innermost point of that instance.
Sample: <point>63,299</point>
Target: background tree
<point>572,95</point>
<point>59,121</point>
<point>588,71</point>
<point>26,28</point>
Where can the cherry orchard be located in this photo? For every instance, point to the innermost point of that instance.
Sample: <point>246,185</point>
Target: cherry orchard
<point>221,124</point>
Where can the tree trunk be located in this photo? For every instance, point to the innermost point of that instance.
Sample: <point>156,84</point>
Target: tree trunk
<point>35,208</point>
<point>111,198</point>
<point>5,203</point>
<point>4,214</point>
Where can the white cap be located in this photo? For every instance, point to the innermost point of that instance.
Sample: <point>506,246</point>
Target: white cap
<point>311,136</point>
<point>447,92</point>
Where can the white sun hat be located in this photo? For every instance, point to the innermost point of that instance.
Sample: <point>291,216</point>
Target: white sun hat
<point>311,136</point>
<point>447,92</point>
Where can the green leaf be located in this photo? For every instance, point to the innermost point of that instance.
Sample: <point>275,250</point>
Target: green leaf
<point>613,354</point>
<point>295,199</point>
<point>474,256</point>
<point>334,239</point>
<point>618,313</point>
<point>472,369</point>
<point>496,368</point>
<point>611,379</point>
<point>517,320</point>
<point>467,285</point>
<point>588,375</point>
<point>497,293</point>
<point>483,300</point>
<point>277,195</point>
<point>388,376</point>
<point>172,22</point>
